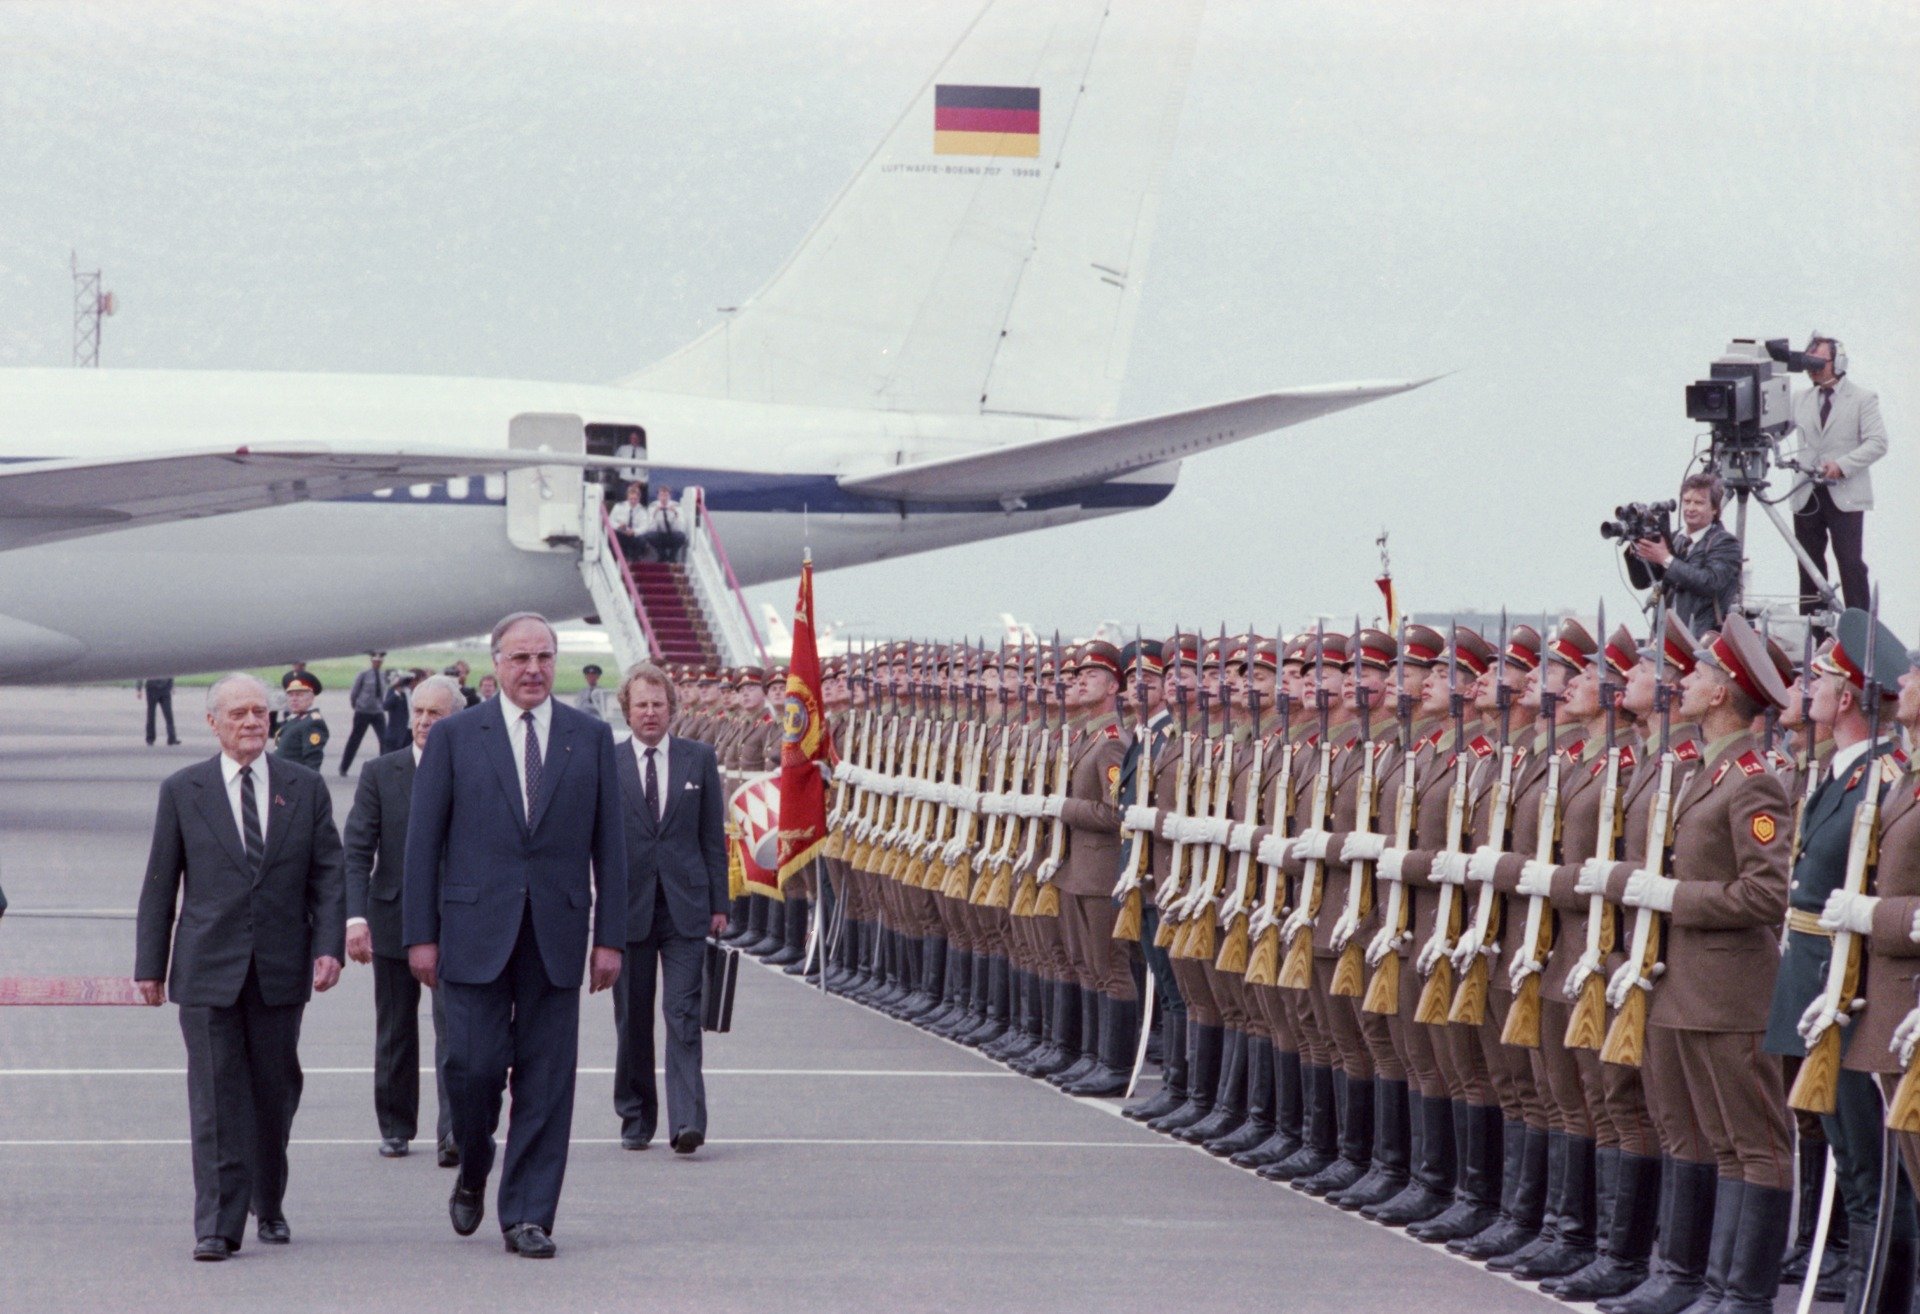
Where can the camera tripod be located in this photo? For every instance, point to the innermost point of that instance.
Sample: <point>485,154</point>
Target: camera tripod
<point>1742,467</point>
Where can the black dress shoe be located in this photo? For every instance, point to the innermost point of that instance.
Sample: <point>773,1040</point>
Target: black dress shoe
<point>686,1142</point>
<point>466,1208</point>
<point>449,1155</point>
<point>275,1232</point>
<point>635,1141</point>
<point>529,1241</point>
<point>211,1250</point>
<point>392,1147</point>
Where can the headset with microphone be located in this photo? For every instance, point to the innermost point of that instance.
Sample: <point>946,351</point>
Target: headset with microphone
<point>1839,350</point>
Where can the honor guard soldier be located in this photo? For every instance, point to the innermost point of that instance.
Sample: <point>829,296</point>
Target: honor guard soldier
<point>1819,906</point>
<point>1154,745</point>
<point>303,732</point>
<point>1707,1010</point>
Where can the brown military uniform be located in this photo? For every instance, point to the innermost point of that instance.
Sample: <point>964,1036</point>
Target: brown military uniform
<point>1091,815</point>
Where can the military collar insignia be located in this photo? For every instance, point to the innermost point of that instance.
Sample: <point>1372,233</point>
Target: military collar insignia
<point>1751,763</point>
<point>1687,750</point>
<point>1481,746</point>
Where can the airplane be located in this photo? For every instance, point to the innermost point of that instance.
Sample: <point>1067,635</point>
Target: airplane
<point>938,362</point>
<point>779,640</point>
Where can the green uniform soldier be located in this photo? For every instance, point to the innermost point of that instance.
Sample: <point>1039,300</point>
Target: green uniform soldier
<point>303,735</point>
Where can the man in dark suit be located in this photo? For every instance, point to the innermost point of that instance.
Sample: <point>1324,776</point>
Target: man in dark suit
<point>515,827</point>
<point>676,897</point>
<point>260,926</point>
<point>376,857</point>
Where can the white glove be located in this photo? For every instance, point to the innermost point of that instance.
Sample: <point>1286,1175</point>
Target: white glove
<point>1536,878</point>
<point>853,775</point>
<point>1465,948</point>
<point>1577,978</point>
<point>1520,969</point>
<point>1387,866</point>
<point>1849,912</point>
<point>1625,978</point>
<point>1273,852</point>
<point>1027,805</point>
<point>1170,827</point>
<point>951,794</point>
<point>1913,932</point>
<point>1430,955</point>
<point>1215,830</point>
<point>1363,846</point>
<point>1344,927</point>
<point>1193,830</point>
<point>1052,805</point>
<point>1385,942</point>
<point>1480,866</point>
<point>993,805</point>
<point>1138,816</point>
<point>1593,877</point>
<point>1645,890</point>
<point>1450,868</point>
<point>967,800</point>
<point>1905,1036</point>
<point>1816,1018</point>
<point>1297,921</point>
<point>1240,837</point>
<point>1310,844</point>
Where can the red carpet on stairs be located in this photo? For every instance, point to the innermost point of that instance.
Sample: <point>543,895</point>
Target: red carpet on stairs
<point>679,631</point>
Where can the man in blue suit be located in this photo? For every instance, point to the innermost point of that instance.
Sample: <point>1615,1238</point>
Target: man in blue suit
<point>515,829</point>
<point>676,897</point>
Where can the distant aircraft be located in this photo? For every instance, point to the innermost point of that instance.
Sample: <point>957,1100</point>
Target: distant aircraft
<point>778,640</point>
<point>939,362</point>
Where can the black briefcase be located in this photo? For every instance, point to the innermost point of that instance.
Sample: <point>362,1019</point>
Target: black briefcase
<point>718,976</point>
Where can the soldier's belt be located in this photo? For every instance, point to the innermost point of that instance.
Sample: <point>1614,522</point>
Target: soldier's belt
<point>1807,923</point>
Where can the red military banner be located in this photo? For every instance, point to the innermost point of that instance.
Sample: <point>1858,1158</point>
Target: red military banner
<point>807,742</point>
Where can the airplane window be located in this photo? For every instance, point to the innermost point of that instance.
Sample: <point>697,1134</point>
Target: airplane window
<point>383,492</point>
<point>459,488</point>
<point>496,486</point>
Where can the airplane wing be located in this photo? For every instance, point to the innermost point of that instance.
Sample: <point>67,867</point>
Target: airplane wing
<point>43,501</point>
<point>1074,460</point>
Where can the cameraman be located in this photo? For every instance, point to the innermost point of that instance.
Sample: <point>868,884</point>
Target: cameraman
<point>1700,570</point>
<point>1841,434</point>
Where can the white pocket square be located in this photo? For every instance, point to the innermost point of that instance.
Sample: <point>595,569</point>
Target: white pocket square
<point>690,785</point>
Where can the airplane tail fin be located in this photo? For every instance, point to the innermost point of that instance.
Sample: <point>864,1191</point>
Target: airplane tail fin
<point>988,256</point>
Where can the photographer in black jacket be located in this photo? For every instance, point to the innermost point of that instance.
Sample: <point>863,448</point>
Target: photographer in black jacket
<point>1700,569</point>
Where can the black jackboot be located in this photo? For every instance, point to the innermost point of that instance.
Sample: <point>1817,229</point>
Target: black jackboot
<point>793,938</point>
<point>1753,1271</point>
<point>928,978</point>
<point>764,934</point>
<point>1064,1042</point>
<point>1205,1047</point>
<point>893,985</point>
<point>1392,1148</point>
<point>1481,1146</point>
<point>1630,1222</point>
<point>955,1013</point>
<point>1571,1247</point>
<point>1173,1072</point>
<point>1429,1188</point>
<point>989,1003</point>
<point>862,939</point>
<point>738,911</point>
<point>1260,1096</point>
<point>1677,1275</point>
<point>1229,1097</point>
<point>1046,1046</point>
<point>1526,1189</point>
<point>1089,1056</point>
<point>1354,1099</point>
<point>1729,1199</point>
<point>1119,1033</point>
<point>1023,1018</point>
<point>1285,1140</point>
<point>1550,1211</point>
<point>1319,1128</point>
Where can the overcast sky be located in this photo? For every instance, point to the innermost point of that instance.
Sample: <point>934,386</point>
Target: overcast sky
<point>1567,207</point>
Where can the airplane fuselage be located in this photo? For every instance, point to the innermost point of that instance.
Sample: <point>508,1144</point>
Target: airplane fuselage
<point>437,562</point>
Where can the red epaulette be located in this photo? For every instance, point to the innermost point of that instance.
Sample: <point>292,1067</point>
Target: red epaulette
<point>1113,732</point>
<point>1574,750</point>
<point>1481,746</point>
<point>1899,755</point>
<point>1351,742</point>
<point>1687,751</point>
<point>1433,740</point>
<point>1627,758</point>
<point>1751,763</point>
<point>1312,740</point>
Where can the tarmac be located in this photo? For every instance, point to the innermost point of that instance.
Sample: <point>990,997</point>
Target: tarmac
<point>855,1162</point>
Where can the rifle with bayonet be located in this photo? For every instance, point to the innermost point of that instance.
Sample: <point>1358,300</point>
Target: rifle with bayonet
<point>1383,991</point>
<point>1234,911</point>
<point>1536,940</point>
<point>1349,976</point>
<point>1436,995</point>
<point>1024,889</point>
<point>1817,1087</point>
<point>994,889</point>
<point>1470,1000</point>
<point>1296,973</point>
<point>964,793</point>
<point>1196,939</point>
<point>1169,889</point>
<point>1587,984</point>
<point>1263,927</point>
<point>1136,846</point>
<point>1626,1038</point>
<point>1046,902</point>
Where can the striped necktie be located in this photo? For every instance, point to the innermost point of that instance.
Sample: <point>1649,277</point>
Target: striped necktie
<point>532,762</point>
<point>250,831</point>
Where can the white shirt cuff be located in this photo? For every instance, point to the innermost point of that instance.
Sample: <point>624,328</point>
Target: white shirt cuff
<point>356,921</point>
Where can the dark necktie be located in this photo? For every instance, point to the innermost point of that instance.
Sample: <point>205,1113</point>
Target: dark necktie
<point>532,762</point>
<point>650,788</point>
<point>1826,405</point>
<point>250,831</point>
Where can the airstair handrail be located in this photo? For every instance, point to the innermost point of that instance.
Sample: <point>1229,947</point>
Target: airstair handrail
<point>626,577</point>
<point>704,522</point>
